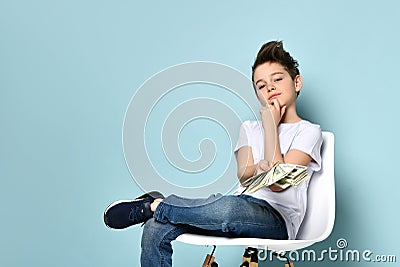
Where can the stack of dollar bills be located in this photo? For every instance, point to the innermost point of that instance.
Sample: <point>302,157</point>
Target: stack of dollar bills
<point>282,175</point>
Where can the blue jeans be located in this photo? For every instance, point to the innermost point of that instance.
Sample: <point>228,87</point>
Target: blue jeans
<point>229,216</point>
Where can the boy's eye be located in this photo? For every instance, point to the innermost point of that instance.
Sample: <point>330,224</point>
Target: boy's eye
<point>278,79</point>
<point>261,87</point>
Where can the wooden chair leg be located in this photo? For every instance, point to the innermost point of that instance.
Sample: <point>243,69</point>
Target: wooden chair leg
<point>209,260</point>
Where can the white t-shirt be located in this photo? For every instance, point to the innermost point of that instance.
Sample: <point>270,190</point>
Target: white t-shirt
<point>304,136</point>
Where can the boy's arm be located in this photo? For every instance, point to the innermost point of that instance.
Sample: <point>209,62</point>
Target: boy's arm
<point>245,163</point>
<point>271,116</point>
<point>247,168</point>
<point>272,151</point>
<point>296,157</point>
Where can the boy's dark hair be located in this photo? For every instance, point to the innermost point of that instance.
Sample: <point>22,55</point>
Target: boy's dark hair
<point>273,52</point>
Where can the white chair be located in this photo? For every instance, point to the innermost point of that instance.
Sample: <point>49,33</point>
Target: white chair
<point>317,224</point>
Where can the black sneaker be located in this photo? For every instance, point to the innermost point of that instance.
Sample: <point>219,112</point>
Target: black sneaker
<point>124,213</point>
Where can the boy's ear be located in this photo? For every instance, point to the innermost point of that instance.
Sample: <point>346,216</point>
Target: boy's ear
<point>298,83</point>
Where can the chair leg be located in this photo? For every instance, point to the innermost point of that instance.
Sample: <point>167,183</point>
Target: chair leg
<point>209,260</point>
<point>250,257</point>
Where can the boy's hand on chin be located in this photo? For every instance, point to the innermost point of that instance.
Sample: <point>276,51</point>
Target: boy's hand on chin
<point>272,113</point>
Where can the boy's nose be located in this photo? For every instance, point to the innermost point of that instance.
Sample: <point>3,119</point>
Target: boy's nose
<point>270,88</point>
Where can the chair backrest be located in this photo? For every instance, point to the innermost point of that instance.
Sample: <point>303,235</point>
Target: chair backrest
<point>320,215</point>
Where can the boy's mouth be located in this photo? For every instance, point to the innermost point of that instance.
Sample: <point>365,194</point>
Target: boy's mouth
<point>273,96</point>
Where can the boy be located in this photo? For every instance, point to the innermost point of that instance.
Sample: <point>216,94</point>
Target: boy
<point>282,136</point>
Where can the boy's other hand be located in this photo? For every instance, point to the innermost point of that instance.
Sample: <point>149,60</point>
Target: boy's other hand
<point>275,188</point>
<point>262,166</point>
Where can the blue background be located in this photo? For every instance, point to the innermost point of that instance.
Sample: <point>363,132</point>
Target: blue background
<point>69,68</point>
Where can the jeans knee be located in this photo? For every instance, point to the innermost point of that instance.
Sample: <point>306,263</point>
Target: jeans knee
<point>156,233</point>
<point>152,232</point>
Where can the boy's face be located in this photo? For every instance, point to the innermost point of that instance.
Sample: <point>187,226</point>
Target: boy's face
<point>272,81</point>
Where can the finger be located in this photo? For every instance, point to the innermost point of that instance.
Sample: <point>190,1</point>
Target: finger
<point>276,103</point>
<point>271,105</point>
<point>283,110</point>
<point>262,167</point>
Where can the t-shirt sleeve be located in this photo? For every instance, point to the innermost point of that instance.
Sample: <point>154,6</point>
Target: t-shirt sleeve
<point>243,139</point>
<point>309,140</point>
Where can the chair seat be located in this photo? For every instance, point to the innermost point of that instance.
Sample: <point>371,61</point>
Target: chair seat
<point>268,244</point>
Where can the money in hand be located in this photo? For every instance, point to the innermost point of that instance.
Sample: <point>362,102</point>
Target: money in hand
<point>282,175</point>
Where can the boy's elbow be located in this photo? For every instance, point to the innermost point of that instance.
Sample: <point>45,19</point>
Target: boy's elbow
<point>241,172</point>
<point>241,177</point>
